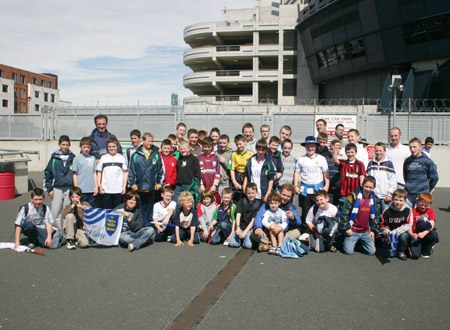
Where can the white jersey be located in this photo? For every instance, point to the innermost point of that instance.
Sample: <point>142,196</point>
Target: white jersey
<point>256,175</point>
<point>397,156</point>
<point>112,168</point>
<point>311,169</point>
<point>39,217</point>
<point>331,212</point>
<point>160,211</point>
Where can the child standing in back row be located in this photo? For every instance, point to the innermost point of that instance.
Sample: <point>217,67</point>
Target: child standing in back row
<point>84,172</point>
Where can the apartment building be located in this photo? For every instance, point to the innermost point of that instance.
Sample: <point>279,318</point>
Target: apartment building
<point>26,92</point>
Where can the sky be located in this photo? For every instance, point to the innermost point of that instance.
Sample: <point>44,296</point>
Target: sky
<point>106,50</point>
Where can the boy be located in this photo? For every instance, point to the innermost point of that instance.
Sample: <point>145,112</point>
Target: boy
<point>249,133</point>
<point>322,149</point>
<point>274,155</point>
<point>275,220</point>
<point>396,222</point>
<point>383,171</point>
<point>194,147</point>
<point>35,221</point>
<point>180,131</point>
<point>162,212</point>
<point>84,172</point>
<point>265,132</point>
<point>426,150</point>
<point>322,221</point>
<point>136,141</point>
<point>185,221</point>
<point>260,170</point>
<point>224,155</point>
<point>223,220</point>
<point>174,141</point>
<point>73,214</point>
<point>146,176</point>
<point>112,175</point>
<point>170,164</point>
<point>311,173</point>
<point>423,234</point>
<point>419,171</point>
<point>352,171</point>
<point>285,133</point>
<point>205,213</point>
<point>360,218</point>
<point>246,210</point>
<point>289,163</point>
<point>362,155</point>
<point>335,174</point>
<point>188,169</point>
<point>58,178</point>
<point>209,167</point>
<point>239,161</point>
<point>134,235</point>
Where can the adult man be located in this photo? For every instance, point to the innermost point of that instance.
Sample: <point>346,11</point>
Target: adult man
<point>321,125</point>
<point>99,136</point>
<point>397,153</point>
<point>293,229</point>
<point>339,135</point>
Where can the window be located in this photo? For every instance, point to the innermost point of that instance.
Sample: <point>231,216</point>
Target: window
<point>23,93</point>
<point>22,108</point>
<point>36,94</point>
<point>2,73</point>
<point>15,92</point>
<point>46,97</point>
<point>53,98</point>
<point>50,85</point>
<point>33,81</point>
<point>22,79</point>
<point>5,88</point>
<point>289,87</point>
<point>5,103</point>
<point>36,107</point>
<point>14,76</point>
<point>290,40</point>
<point>341,52</point>
<point>43,83</point>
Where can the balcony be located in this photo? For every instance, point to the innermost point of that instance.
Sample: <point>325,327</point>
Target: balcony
<point>229,76</point>
<point>229,51</point>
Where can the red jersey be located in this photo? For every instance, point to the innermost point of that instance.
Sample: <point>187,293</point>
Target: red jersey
<point>170,168</point>
<point>350,173</point>
<point>210,170</point>
<point>428,215</point>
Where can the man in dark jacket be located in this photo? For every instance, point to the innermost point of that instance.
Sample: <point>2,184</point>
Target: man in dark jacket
<point>99,136</point>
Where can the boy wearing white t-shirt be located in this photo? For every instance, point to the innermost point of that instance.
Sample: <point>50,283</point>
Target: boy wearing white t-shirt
<point>112,175</point>
<point>311,175</point>
<point>162,212</point>
<point>323,223</point>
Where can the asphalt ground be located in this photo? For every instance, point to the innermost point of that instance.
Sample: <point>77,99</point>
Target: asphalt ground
<point>110,288</point>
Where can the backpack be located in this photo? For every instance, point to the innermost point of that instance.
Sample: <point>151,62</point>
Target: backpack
<point>26,209</point>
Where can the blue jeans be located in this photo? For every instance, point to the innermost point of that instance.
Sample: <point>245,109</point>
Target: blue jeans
<point>37,236</point>
<point>366,243</point>
<point>180,189</point>
<point>147,207</point>
<point>138,238</point>
<point>185,234</point>
<point>422,246</point>
<point>236,241</point>
<point>401,246</point>
<point>223,230</point>
<point>90,198</point>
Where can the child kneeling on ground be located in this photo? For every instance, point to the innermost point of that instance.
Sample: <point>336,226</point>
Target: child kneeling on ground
<point>223,219</point>
<point>134,235</point>
<point>423,234</point>
<point>35,221</point>
<point>275,220</point>
<point>322,221</point>
<point>185,221</point>
<point>73,215</point>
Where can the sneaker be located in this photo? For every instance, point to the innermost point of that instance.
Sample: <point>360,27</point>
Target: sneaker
<point>70,244</point>
<point>425,256</point>
<point>31,245</point>
<point>333,249</point>
<point>402,256</point>
<point>169,238</point>
<point>304,237</point>
<point>278,251</point>
<point>226,243</point>
<point>273,250</point>
<point>131,247</point>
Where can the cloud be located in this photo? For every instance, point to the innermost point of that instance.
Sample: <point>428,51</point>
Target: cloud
<point>104,49</point>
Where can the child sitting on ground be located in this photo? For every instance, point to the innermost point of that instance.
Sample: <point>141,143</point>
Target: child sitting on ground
<point>322,220</point>
<point>35,221</point>
<point>74,219</point>
<point>162,212</point>
<point>423,234</point>
<point>275,220</point>
<point>134,235</point>
<point>396,222</point>
<point>223,219</point>
<point>185,221</point>
<point>205,213</point>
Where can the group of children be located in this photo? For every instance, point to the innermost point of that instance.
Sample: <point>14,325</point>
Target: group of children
<point>203,189</point>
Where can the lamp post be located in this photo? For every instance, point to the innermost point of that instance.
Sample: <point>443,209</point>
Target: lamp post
<point>396,84</point>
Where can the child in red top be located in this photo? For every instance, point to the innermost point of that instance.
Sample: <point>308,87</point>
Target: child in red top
<point>423,234</point>
<point>170,163</point>
<point>209,167</point>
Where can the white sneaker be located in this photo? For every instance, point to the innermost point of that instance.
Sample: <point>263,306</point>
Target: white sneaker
<point>226,243</point>
<point>169,238</point>
<point>304,237</point>
<point>131,247</point>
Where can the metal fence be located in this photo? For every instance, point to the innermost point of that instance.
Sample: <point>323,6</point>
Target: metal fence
<point>78,123</point>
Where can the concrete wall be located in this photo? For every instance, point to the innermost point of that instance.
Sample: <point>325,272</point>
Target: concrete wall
<point>440,155</point>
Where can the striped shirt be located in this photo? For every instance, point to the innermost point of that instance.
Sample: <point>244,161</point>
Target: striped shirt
<point>350,174</point>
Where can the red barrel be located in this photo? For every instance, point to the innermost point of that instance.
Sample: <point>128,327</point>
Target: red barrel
<point>7,186</point>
